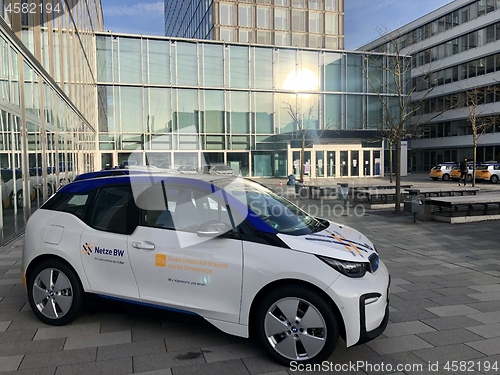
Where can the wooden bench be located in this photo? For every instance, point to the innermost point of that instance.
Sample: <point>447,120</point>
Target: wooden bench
<point>462,206</point>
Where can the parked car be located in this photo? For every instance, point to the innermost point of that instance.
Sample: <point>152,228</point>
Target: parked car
<point>11,198</point>
<point>228,249</point>
<point>187,169</point>
<point>488,172</point>
<point>455,173</point>
<point>442,171</point>
<point>221,169</point>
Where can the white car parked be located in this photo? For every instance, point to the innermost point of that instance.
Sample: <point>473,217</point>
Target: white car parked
<point>228,249</point>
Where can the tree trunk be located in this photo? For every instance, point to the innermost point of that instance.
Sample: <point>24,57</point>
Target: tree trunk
<point>302,157</point>
<point>474,148</point>
<point>390,162</point>
<point>397,197</point>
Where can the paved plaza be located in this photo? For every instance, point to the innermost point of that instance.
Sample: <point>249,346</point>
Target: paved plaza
<point>445,314</point>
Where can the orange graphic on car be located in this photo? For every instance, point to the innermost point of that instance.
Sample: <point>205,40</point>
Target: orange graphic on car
<point>161,260</point>
<point>87,248</point>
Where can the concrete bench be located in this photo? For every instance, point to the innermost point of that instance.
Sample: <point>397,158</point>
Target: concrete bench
<point>461,208</point>
<point>371,195</point>
<point>442,192</point>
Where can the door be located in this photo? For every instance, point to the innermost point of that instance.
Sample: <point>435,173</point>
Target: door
<point>104,250</point>
<point>175,259</point>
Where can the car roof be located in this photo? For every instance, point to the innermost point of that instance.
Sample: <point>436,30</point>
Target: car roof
<point>83,186</point>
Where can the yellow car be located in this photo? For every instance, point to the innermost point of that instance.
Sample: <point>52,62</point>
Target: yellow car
<point>442,171</point>
<point>455,174</point>
<point>488,172</point>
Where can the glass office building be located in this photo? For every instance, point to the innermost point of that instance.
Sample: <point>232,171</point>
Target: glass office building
<point>299,23</point>
<point>171,102</point>
<point>47,103</point>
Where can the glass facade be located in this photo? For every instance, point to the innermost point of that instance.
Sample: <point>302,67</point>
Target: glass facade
<point>247,106</point>
<point>299,23</point>
<point>47,103</point>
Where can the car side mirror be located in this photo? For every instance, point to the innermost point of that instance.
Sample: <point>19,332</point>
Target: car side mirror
<point>212,229</point>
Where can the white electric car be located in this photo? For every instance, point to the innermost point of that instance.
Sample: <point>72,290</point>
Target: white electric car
<point>228,249</point>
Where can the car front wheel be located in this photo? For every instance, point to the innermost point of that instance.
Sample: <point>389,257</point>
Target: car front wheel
<point>55,293</point>
<point>446,177</point>
<point>295,323</point>
<point>494,179</point>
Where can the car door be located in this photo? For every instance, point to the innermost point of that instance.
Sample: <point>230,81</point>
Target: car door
<point>104,252</point>
<point>175,259</point>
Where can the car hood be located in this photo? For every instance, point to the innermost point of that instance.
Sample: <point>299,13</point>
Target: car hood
<point>337,241</point>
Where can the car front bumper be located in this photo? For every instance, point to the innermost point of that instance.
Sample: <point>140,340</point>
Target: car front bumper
<point>363,304</point>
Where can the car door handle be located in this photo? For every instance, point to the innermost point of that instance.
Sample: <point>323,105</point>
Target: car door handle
<point>143,245</point>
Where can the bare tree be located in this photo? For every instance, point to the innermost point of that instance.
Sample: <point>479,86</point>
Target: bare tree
<point>389,78</point>
<point>302,111</point>
<point>472,100</point>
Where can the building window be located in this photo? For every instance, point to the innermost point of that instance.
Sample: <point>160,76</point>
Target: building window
<point>263,37</point>
<point>245,16</point>
<point>281,39</point>
<point>315,22</point>
<point>226,14</point>
<point>298,3</point>
<point>298,20</point>
<point>281,19</point>
<point>314,4</point>
<point>331,5</point>
<point>245,36</point>
<point>263,18</point>
<point>331,24</point>
<point>226,34</point>
<point>283,3</point>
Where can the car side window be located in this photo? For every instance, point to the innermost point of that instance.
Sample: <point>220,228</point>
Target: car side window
<point>115,210</point>
<point>76,204</point>
<point>181,208</point>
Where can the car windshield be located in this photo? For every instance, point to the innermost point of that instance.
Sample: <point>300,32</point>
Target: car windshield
<point>279,213</point>
<point>437,168</point>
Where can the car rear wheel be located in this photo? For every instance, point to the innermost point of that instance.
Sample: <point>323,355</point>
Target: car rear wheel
<point>55,293</point>
<point>17,199</point>
<point>446,177</point>
<point>295,323</point>
<point>494,179</point>
<point>469,178</point>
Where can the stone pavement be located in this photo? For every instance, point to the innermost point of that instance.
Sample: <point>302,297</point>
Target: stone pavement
<point>445,312</point>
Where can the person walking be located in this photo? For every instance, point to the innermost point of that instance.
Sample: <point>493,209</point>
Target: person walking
<point>464,171</point>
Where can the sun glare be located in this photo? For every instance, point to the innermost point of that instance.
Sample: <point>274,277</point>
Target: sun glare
<point>304,80</point>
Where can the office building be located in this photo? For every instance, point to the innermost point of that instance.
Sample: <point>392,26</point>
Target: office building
<point>300,23</point>
<point>455,49</point>
<point>47,102</point>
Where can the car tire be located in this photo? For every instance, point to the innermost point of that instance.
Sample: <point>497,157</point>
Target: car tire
<point>17,199</point>
<point>55,292</point>
<point>295,323</point>
<point>446,177</point>
<point>494,179</point>
<point>50,190</point>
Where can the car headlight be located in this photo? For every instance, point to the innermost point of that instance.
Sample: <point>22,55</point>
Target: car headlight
<point>349,269</point>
